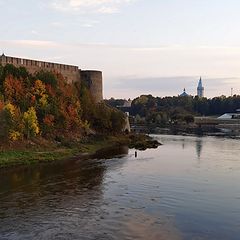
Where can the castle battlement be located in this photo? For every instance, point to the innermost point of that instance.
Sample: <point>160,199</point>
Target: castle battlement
<point>71,73</point>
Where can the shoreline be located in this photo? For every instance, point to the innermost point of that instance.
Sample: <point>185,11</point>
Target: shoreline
<point>12,156</point>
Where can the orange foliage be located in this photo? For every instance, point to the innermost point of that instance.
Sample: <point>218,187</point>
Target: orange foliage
<point>33,99</point>
<point>13,89</point>
<point>49,120</point>
<point>50,90</point>
<point>1,105</point>
<point>72,111</point>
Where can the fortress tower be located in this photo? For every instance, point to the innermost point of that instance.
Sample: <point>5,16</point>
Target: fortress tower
<point>93,79</point>
<point>200,89</point>
<point>70,73</point>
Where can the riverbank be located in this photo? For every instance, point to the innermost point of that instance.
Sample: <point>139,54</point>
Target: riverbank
<point>40,150</point>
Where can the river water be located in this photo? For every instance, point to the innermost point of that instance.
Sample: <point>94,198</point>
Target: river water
<point>189,188</point>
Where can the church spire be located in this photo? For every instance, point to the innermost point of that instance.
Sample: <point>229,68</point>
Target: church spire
<point>200,82</point>
<point>200,88</point>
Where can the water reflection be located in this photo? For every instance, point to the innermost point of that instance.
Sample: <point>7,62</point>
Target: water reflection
<point>199,146</point>
<point>59,196</point>
<point>186,143</point>
<point>183,144</point>
<point>143,226</point>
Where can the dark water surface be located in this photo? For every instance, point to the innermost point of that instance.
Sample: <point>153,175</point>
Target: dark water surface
<point>189,188</point>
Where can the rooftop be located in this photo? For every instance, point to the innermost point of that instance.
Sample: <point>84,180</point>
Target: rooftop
<point>184,94</point>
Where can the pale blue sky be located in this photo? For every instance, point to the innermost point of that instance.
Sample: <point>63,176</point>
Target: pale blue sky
<point>154,46</point>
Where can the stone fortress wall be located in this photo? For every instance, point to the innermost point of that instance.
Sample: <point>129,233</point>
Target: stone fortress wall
<point>94,83</point>
<point>70,73</point>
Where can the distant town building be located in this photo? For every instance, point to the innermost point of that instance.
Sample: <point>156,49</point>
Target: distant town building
<point>184,94</point>
<point>126,106</point>
<point>127,103</point>
<point>200,89</point>
<point>228,116</point>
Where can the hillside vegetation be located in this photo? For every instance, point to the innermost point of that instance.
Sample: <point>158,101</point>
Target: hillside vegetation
<point>45,105</point>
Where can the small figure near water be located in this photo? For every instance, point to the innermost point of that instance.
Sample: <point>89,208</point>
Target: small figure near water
<point>135,154</point>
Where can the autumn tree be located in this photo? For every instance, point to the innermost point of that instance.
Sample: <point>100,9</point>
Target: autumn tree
<point>14,90</point>
<point>46,101</point>
<point>40,97</point>
<point>11,122</point>
<point>30,121</point>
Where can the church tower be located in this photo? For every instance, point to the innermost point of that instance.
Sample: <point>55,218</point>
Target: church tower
<point>200,89</point>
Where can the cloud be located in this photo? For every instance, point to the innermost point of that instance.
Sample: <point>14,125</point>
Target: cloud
<point>129,86</point>
<point>30,43</point>
<point>57,24</point>
<point>34,32</point>
<point>92,6</point>
<point>130,71</point>
<point>89,23</point>
<point>157,86</point>
<point>107,10</point>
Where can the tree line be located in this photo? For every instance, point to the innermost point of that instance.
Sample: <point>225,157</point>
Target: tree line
<point>162,110</point>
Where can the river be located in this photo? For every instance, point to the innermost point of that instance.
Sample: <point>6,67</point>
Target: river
<point>188,188</point>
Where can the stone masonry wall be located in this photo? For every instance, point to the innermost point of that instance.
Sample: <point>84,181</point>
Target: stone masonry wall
<point>69,72</point>
<point>94,82</point>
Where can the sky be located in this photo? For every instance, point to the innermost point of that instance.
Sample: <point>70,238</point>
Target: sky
<point>153,47</point>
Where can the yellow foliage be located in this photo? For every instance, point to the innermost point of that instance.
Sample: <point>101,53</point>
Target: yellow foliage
<point>39,88</point>
<point>31,122</point>
<point>14,135</point>
<point>10,108</point>
<point>43,100</point>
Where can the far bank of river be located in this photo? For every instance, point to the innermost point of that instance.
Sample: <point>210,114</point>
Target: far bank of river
<point>225,130</point>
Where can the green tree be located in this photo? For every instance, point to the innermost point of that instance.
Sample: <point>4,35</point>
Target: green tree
<point>47,78</point>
